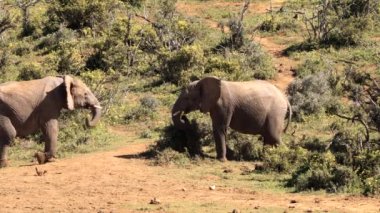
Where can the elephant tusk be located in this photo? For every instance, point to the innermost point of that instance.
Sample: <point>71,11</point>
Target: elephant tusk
<point>98,106</point>
<point>176,113</point>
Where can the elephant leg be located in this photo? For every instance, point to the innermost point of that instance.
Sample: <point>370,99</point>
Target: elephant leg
<point>220,144</point>
<point>273,131</point>
<point>50,134</point>
<point>3,154</point>
<point>221,119</point>
<point>7,134</point>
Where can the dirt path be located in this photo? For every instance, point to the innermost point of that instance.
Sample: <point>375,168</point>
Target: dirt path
<point>119,181</point>
<point>283,64</point>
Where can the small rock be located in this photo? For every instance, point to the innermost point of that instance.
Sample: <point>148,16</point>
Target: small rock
<point>236,211</point>
<point>155,201</point>
<point>39,172</point>
<point>247,170</point>
<point>293,201</point>
<point>309,211</point>
<point>259,166</point>
<point>184,189</point>
<point>256,207</point>
<point>228,171</point>
<point>291,207</point>
<point>212,187</point>
<point>317,200</point>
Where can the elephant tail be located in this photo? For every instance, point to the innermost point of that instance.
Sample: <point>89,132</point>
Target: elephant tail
<point>289,115</point>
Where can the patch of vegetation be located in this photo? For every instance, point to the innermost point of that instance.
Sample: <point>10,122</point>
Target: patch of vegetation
<point>312,94</point>
<point>336,23</point>
<point>146,110</point>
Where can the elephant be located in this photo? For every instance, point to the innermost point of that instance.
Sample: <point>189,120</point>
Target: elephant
<point>250,107</point>
<point>29,106</point>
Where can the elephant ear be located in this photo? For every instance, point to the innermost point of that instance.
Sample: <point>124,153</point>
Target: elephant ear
<point>210,90</point>
<point>68,84</point>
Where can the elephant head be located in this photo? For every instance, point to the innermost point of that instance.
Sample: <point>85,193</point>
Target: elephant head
<point>199,95</point>
<point>80,96</point>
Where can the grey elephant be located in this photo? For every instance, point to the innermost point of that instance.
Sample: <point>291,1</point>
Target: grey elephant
<point>29,106</point>
<point>252,107</point>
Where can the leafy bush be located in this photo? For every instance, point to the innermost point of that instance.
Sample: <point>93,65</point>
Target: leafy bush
<point>175,64</point>
<point>319,172</point>
<point>146,110</point>
<point>250,61</point>
<point>149,102</point>
<point>313,66</point>
<point>311,94</point>
<point>340,23</point>
<point>79,14</point>
<point>189,141</point>
<point>372,186</point>
<point>75,137</point>
<point>169,156</point>
<point>57,40</point>
<point>30,71</point>
<point>134,3</point>
<point>343,166</point>
<point>279,22</point>
<point>244,147</point>
<point>70,61</point>
<point>313,144</point>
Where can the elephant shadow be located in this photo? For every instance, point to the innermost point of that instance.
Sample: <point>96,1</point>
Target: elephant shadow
<point>141,155</point>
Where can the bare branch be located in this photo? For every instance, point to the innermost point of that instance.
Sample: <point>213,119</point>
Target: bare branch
<point>357,118</point>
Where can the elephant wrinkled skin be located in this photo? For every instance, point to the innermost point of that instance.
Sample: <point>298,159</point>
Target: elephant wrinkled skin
<point>29,106</point>
<point>252,107</point>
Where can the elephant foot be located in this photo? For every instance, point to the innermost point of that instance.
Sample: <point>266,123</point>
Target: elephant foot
<point>223,159</point>
<point>3,163</point>
<point>43,158</point>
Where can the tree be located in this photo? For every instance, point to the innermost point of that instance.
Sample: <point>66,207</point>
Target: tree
<point>5,20</point>
<point>24,5</point>
<point>339,22</point>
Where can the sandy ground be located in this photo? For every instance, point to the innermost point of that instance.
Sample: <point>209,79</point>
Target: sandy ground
<point>119,181</point>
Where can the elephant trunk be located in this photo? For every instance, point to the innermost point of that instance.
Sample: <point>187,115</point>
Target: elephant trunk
<point>180,121</point>
<point>96,111</point>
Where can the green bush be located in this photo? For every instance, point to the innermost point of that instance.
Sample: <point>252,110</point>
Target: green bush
<point>283,159</point>
<point>175,64</point>
<point>57,40</point>
<point>282,22</point>
<point>314,66</point>
<point>314,173</point>
<point>250,61</point>
<point>372,186</point>
<point>30,71</point>
<point>75,137</point>
<point>244,147</point>
<point>70,61</point>
<point>79,14</point>
<point>311,94</point>
<point>134,3</point>
<point>146,110</point>
<point>169,156</point>
<point>313,144</point>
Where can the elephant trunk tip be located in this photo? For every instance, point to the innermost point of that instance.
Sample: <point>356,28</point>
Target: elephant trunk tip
<point>96,114</point>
